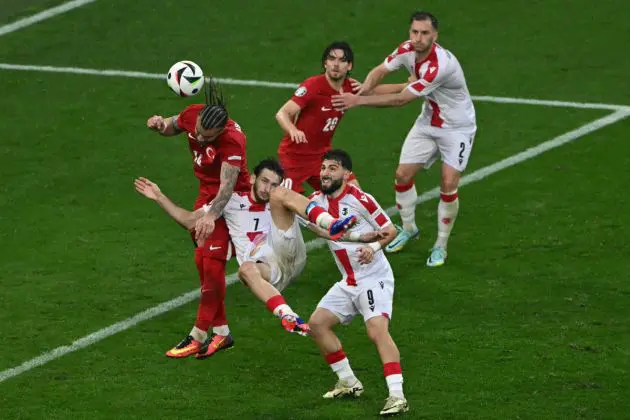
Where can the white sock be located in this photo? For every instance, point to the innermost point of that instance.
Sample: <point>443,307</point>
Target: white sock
<point>221,330</point>
<point>343,370</point>
<point>282,310</point>
<point>447,213</point>
<point>395,385</point>
<point>198,334</point>
<point>406,203</point>
<point>324,220</point>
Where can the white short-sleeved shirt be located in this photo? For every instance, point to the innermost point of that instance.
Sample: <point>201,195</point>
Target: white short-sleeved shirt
<point>440,81</point>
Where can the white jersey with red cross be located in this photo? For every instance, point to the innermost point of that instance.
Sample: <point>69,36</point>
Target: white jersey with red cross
<point>370,216</point>
<point>441,82</point>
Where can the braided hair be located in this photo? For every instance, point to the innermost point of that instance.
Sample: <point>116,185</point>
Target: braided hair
<point>214,114</point>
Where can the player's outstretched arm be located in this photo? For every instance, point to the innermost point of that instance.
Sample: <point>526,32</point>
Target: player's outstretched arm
<point>164,126</point>
<point>185,218</point>
<point>365,237</point>
<point>346,101</point>
<point>205,224</point>
<point>388,88</point>
<point>373,78</point>
<point>286,119</point>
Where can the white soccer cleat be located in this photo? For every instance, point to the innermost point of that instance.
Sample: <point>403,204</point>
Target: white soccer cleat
<point>344,388</point>
<point>437,257</point>
<point>394,405</point>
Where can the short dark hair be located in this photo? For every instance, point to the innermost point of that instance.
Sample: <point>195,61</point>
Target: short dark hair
<point>340,156</point>
<point>272,164</point>
<point>418,15</point>
<point>339,45</point>
<point>214,114</point>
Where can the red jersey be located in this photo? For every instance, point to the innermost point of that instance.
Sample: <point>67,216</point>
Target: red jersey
<point>207,160</point>
<point>317,119</point>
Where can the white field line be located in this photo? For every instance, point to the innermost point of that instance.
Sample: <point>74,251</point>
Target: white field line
<point>283,85</point>
<point>316,243</point>
<point>46,14</point>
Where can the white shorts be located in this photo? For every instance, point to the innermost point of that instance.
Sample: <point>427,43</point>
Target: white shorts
<point>424,143</point>
<point>369,298</point>
<point>284,252</point>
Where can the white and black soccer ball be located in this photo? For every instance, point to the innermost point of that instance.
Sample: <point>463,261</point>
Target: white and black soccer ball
<point>185,78</point>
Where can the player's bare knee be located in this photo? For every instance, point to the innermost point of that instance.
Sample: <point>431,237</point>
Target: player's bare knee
<point>377,334</point>
<point>449,183</point>
<point>317,324</point>
<point>378,329</point>
<point>404,176</point>
<point>247,271</point>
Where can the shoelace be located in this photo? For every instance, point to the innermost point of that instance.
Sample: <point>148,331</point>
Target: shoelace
<point>186,341</point>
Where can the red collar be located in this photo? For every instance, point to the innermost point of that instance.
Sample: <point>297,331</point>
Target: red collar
<point>255,205</point>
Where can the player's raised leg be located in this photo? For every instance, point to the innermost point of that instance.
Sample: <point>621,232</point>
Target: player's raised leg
<point>321,322</point>
<point>378,331</point>
<point>448,208</point>
<point>257,277</point>
<point>406,200</point>
<point>298,204</point>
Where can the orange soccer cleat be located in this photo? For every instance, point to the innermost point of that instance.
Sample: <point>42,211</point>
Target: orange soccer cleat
<point>214,344</point>
<point>187,347</point>
<point>295,324</point>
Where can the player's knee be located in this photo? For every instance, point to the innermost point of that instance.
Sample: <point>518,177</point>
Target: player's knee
<point>317,324</point>
<point>404,176</point>
<point>377,330</point>
<point>449,183</point>
<point>246,272</point>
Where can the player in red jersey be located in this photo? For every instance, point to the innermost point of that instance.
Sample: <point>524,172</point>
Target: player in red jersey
<point>217,145</point>
<point>309,120</point>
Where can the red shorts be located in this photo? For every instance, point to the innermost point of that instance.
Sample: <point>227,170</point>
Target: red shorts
<point>218,245</point>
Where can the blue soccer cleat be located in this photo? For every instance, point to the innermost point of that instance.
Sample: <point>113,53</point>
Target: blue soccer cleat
<point>437,257</point>
<point>340,226</point>
<point>401,239</point>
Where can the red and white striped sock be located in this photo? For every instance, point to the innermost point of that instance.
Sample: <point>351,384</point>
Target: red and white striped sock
<point>340,364</point>
<point>279,307</point>
<point>394,379</point>
<point>447,213</point>
<point>406,196</point>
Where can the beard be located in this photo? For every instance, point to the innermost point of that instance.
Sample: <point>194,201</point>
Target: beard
<point>335,184</point>
<point>258,198</point>
<point>336,78</point>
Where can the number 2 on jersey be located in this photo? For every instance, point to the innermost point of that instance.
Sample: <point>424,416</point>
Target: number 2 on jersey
<point>331,123</point>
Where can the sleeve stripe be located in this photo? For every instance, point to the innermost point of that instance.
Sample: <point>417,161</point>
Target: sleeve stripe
<point>381,220</point>
<point>235,158</point>
<point>365,201</point>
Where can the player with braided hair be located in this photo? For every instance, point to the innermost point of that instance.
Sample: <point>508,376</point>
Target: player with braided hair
<point>217,145</point>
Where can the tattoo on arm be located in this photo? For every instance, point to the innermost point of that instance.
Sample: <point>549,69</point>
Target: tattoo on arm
<point>229,176</point>
<point>176,127</point>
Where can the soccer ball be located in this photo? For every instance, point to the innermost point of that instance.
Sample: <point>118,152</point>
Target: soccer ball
<point>185,78</point>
